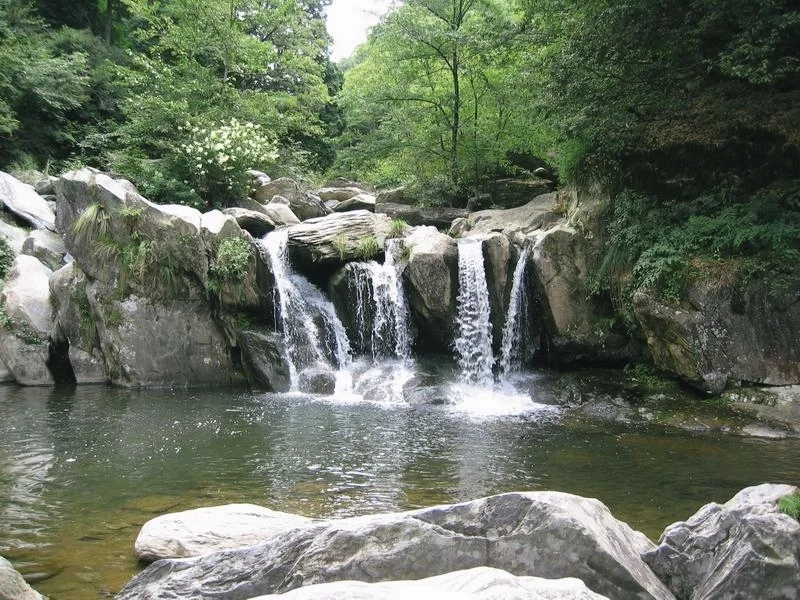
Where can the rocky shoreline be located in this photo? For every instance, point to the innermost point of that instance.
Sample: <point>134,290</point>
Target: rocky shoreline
<point>516,545</point>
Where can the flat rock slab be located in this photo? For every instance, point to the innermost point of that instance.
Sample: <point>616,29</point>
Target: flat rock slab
<point>205,530</point>
<point>22,200</point>
<point>743,549</point>
<point>542,534</point>
<point>480,583</point>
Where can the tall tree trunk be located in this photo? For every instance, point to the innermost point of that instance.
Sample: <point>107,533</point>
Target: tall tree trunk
<point>109,33</point>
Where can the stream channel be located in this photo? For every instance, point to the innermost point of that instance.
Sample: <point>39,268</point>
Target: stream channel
<point>82,468</point>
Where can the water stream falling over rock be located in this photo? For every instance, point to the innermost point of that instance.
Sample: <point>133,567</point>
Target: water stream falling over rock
<point>473,343</point>
<point>314,337</point>
<point>511,350</point>
<point>381,312</point>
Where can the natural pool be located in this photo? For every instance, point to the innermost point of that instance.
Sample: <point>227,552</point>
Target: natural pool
<point>81,469</point>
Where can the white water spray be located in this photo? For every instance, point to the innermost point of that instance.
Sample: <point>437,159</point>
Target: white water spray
<point>473,341</point>
<point>511,349</point>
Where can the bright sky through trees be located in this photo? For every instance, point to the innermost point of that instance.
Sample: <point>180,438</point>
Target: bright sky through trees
<point>348,22</point>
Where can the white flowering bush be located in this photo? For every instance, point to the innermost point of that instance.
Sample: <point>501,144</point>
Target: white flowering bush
<point>215,160</point>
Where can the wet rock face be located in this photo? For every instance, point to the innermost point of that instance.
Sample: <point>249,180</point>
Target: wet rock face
<point>544,534</point>
<point>745,548</point>
<point>721,336</point>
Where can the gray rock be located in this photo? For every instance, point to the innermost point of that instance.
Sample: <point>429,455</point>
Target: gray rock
<point>497,256</point>
<point>358,202</point>
<point>338,193</point>
<point>259,178</point>
<point>214,225</point>
<point>335,239</point>
<point>317,379</point>
<point>23,201</point>
<point>256,223</point>
<point>308,206</point>
<point>510,193</point>
<point>264,360</point>
<point>5,374</point>
<point>13,586</point>
<point>26,295</point>
<point>46,186</point>
<point>541,534</point>
<point>440,217</point>
<point>282,186</point>
<point>281,214</point>
<point>47,246</point>
<point>394,196</point>
<point>536,214</point>
<point>431,283</point>
<point>480,583</point>
<point>721,335</point>
<point>152,343</point>
<point>205,530</point>
<point>743,549</point>
<point>26,361</point>
<point>74,324</point>
<point>579,327</point>
<point>15,236</point>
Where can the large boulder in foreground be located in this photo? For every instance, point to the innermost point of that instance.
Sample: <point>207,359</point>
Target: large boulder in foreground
<point>543,534</point>
<point>13,586</point>
<point>431,284</point>
<point>480,583</point>
<point>721,334</point>
<point>745,548</point>
<point>205,530</point>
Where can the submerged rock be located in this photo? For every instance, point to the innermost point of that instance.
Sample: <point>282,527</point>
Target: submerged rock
<point>543,534</point>
<point>205,530</point>
<point>480,583</point>
<point>745,548</point>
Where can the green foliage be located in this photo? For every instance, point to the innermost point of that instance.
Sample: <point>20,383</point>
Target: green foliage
<point>231,263</point>
<point>790,505</point>
<point>730,235</point>
<point>92,224</point>
<point>6,257</point>
<point>397,228</point>
<point>341,246</point>
<point>366,248</point>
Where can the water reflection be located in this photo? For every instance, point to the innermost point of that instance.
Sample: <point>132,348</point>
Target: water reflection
<point>81,470</point>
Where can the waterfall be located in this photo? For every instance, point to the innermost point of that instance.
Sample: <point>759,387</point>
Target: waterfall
<point>312,332</point>
<point>473,342</point>
<point>511,349</point>
<point>381,311</point>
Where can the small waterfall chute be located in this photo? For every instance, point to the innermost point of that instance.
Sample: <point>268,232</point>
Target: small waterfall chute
<point>313,334</point>
<point>381,312</point>
<point>511,349</point>
<point>473,343</point>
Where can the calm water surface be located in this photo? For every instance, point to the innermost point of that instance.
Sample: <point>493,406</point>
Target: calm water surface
<point>82,469</point>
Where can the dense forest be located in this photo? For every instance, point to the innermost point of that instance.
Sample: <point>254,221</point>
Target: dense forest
<point>686,112</point>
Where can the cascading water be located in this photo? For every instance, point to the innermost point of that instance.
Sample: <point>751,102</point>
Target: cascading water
<point>473,342</point>
<point>299,306</point>
<point>511,349</point>
<point>381,310</point>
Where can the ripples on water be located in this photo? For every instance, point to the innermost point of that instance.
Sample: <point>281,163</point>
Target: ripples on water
<point>82,469</point>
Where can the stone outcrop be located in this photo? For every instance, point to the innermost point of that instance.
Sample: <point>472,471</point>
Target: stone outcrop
<point>338,238</point>
<point>13,586</point>
<point>282,186</point>
<point>745,548</point>
<point>439,217</point>
<point>27,322</point>
<point>721,335</point>
<point>15,236</point>
<point>339,193</point>
<point>304,205</point>
<point>536,214</point>
<point>358,202</point>
<point>431,284</point>
<point>206,530</point>
<point>264,360</point>
<point>25,203</point>
<point>579,327</point>
<point>480,583</point>
<point>497,256</point>
<point>74,324</point>
<point>541,534</point>
<point>47,246</point>
<point>257,224</point>
<point>510,193</point>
